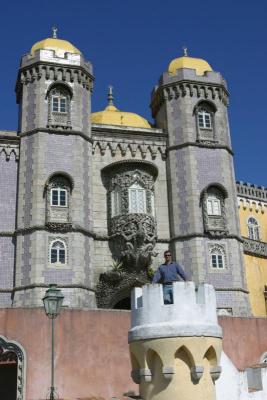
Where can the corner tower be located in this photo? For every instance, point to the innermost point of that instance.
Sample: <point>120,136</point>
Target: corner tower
<point>190,103</point>
<point>54,220</point>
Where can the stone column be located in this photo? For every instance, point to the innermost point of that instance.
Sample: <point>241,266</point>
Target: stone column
<point>175,349</point>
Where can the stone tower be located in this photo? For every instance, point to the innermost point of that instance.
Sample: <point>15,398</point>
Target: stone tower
<point>54,218</point>
<point>175,349</point>
<point>190,103</point>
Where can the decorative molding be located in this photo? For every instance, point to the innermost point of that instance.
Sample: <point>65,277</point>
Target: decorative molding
<point>251,191</point>
<point>123,146</point>
<point>8,149</point>
<point>11,351</point>
<point>43,285</point>
<point>255,247</point>
<point>60,228</point>
<point>258,206</point>
<point>190,88</point>
<point>54,72</point>
<point>207,144</point>
<point>181,238</point>
<point>55,131</point>
<point>231,289</point>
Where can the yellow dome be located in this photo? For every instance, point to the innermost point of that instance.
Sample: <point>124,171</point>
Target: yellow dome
<point>60,46</point>
<point>199,65</point>
<point>112,116</point>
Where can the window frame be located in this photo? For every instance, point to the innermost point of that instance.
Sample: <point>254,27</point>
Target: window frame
<point>212,200</point>
<point>58,249</point>
<point>59,190</point>
<point>137,188</point>
<point>59,99</point>
<point>217,253</point>
<point>253,229</point>
<point>203,113</point>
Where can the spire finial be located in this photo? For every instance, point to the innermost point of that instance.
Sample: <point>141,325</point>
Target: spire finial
<point>54,32</point>
<point>110,95</point>
<point>185,51</point>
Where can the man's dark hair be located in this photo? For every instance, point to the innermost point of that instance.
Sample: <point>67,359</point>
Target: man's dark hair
<point>167,251</point>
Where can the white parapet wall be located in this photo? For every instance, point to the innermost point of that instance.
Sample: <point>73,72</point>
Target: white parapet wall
<point>193,312</point>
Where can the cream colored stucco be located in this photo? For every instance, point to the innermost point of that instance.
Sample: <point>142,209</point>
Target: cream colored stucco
<point>182,354</point>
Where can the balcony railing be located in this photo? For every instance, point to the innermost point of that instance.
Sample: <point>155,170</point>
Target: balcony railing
<point>255,247</point>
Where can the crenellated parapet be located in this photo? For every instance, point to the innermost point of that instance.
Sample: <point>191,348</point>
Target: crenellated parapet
<point>186,82</point>
<point>174,343</point>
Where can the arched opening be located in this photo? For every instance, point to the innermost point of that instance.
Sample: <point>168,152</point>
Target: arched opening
<point>11,371</point>
<point>123,304</point>
<point>8,376</point>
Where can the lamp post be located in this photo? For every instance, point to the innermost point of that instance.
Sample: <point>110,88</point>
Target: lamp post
<point>52,302</point>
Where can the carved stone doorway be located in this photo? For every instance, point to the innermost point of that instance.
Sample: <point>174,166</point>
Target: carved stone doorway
<point>8,380</point>
<point>12,370</point>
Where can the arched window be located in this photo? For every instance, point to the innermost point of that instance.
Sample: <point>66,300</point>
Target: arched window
<point>58,196</point>
<point>213,208</point>
<point>217,257</point>
<point>59,106</point>
<point>205,121</point>
<point>58,252</point>
<point>253,229</point>
<point>137,199</point>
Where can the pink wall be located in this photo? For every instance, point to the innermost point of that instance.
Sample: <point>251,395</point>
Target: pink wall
<point>92,357</point>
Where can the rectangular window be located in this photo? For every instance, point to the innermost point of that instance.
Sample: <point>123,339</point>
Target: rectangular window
<point>53,256</point>
<point>63,105</point>
<point>59,197</point>
<point>137,200</point>
<point>116,202</point>
<point>62,256</point>
<point>204,119</point>
<point>59,104</point>
<point>213,206</point>
<point>217,261</point>
<point>55,104</point>
<point>201,121</point>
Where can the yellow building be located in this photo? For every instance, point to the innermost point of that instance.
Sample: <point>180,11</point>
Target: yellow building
<point>252,203</point>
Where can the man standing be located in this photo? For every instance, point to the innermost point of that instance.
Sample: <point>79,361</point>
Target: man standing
<point>167,273</point>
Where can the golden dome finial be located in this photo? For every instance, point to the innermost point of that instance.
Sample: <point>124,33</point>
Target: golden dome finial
<point>110,95</point>
<point>185,49</point>
<point>54,32</point>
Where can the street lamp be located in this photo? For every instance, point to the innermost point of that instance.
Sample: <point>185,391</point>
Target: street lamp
<point>52,302</point>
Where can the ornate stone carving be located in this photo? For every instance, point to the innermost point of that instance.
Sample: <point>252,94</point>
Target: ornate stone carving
<point>9,351</point>
<point>134,236</point>
<point>59,227</point>
<point>113,286</point>
<point>214,225</point>
<point>9,150</point>
<point>255,247</point>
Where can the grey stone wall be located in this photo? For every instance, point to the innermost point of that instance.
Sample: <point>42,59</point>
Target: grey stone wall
<point>193,165</point>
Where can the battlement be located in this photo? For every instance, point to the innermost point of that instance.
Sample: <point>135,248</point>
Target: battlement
<point>193,312</point>
<point>50,56</point>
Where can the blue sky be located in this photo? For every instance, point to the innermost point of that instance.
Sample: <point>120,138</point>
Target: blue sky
<point>130,44</point>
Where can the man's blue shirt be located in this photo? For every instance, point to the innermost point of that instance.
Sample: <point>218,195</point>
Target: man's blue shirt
<point>167,273</point>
